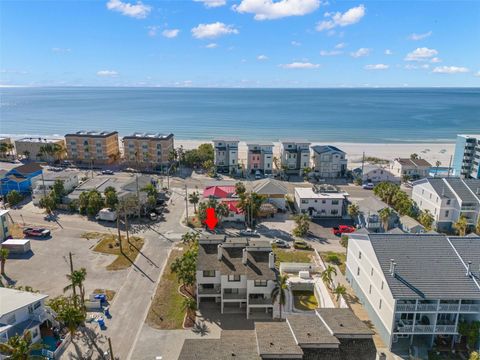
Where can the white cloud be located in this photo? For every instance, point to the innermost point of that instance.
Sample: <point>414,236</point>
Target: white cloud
<point>349,17</point>
<point>295,43</point>
<point>421,54</point>
<point>300,65</point>
<point>170,33</point>
<point>152,30</point>
<point>340,45</point>
<point>270,10</point>
<point>107,73</point>
<point>388,52</point>
<point>262,57</point>
<point>477,74</point>
<point>212,3</point>
<point>330,52</point>
<point>138,10</point>
<point>213,30</point>
<point>360,52</point>
<point>61,50</point>
<point>416,37</point>
<point>211,46</point>
<point>450,69</point>
<point>416,67</point>
<point>435,60</point>
<point>376,67</point>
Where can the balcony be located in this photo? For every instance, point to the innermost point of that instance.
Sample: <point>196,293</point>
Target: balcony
<point>440,329</point>
<point>40,317</point>
<point>208,291</point>
<point>260,301</point>
<point>426,307</point>
<point>475,308</point>
<point>468,208</point>
<point>448,307</point>
<point>406,307</point>
<point>240,296</point>
<point>437,329</point>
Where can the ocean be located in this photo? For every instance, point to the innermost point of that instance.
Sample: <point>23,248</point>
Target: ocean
<point>319,115</point>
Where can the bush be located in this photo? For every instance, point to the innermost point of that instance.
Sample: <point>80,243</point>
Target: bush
<point>344,241</point>
<point>333,258</point>
<point>14,197</point>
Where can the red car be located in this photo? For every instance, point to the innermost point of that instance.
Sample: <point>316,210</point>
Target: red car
<point>36,232</point>
<point>343,229</point>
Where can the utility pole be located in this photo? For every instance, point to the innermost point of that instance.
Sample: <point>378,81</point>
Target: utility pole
<point>71,275</point>
<point>186,202</point>
<point>110,349</point>
<point>138,194</point>
<point>126,223</point>
<point>449,166</point>
<point>363,161</point>
<point>119,235</point>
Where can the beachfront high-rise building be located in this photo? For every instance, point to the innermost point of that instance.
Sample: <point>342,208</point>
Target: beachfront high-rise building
<point>40,149</point>
<point>467,156</point>
<point>260,157</point>
<point>148,148</point>
<point>93,147</point>
<point>226,155</point>
<point>294,156</point>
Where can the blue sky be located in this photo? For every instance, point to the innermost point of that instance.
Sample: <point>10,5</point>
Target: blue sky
<point>243,43</point>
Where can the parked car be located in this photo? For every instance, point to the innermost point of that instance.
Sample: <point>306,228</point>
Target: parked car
<point>249,232</point>
<point>258,175</point>
<point>36,232</point>
<point>107,172</point>
<point>301,245</point>
<point>280,243</point>
<point>343,229</point>
<point>153,216</point>
<point>368,186</point>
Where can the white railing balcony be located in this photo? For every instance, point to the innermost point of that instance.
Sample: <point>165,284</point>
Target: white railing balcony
<point>468,208</point>
<point>426,307</point>
<point>448,307</point>
<point>405,307</point>
<point>470,308</point>
<point>440,329</point>
<point>423,328</point>
<point>40,317</point>
<point>405,328</point>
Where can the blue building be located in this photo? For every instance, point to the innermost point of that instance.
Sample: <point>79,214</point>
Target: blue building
<point>20,178</point>
<point>467,156</point>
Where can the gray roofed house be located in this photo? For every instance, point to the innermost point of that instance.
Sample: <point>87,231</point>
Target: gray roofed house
<point>328,161</point>
<point>342,323</point>
<point>411,225</point>
<point>310,331</point>
<point>369,214</point>
<point>275,340</point>
<point>468,248</point>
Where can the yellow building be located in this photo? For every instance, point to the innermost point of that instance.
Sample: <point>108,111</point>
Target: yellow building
<point>147,148</point>
<point>94,147</point>
<point>40,149</point>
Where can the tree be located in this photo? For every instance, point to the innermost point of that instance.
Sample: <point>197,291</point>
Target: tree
<point>185,268</point>
<point>477,228</point>
<point>276,162</point>
<point>344,241</point>
<point>327,275</point>
<point>250,204</point>
<point>190,238</point>
<point>414,156</point>
<point>240,189</point>
<point>194,199</point>
<point>48,203</point>
<point>353,210</point>
<point>26,153</point>
<point>426,219</point>
<point>279,292</point>
<point>77,279</point>
<point>189,305</point>
<point>58,190</point>
<point>95,202</point>
<point>339,291</point>
<point>474,356</point>
<point>302,227</point>
<point>14,197</point>
<point>3,259</point>
<point>437,165</point>
<point>83,202</point>
<point>151,190</point>
<point>306,171</point>
<point>385,214</point>
<point>461,225</point>
<point>19,347</point>
<point>111,197</point>
<point>222,211</point>
<point>70,315</point>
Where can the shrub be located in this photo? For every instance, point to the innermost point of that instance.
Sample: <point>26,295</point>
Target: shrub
<point>333,258</point>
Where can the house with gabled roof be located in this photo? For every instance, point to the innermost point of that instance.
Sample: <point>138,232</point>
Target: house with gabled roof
<point>20,178</point>
<point>411,168</point>
<point>273,190</point>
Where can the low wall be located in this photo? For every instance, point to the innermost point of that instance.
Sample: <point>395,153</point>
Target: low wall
<point>296,267</point>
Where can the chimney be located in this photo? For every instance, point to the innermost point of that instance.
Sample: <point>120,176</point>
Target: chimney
<point>468,268</point>
<point>219,252</point>
<point>391,265</point>
<point>393,269</point>
<point>271,260</point>
<point>244,256</point>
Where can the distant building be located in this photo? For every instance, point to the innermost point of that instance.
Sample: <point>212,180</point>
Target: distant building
<point>21,178</point>
<point>36,148</point>
<point>260,157</point>
<point>411,168</point>
<point>6,152</point>
<point>273,190</point>
<point>410,225</point>
<point>369,217</point>
<point>377,174</point>
<point>294,156</point>
<point>467,156</point>
<point>447,199</point>
<point>226,194</point>
<point>226,155</point>
<point>43,186</point>
<point>93,147</point>
<point>320,201</point>
<point>151,149</point>
<point>416,288</point>
<point>329,161</point>
<point>4,231</point>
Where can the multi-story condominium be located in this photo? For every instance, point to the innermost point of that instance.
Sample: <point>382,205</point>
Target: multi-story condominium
<point>320,201</point>
<point>40,149</point>
<point>226,155</point>
<point>467,156</point>
<point>237,273</point>
<point>294,156</point>
<point>329,161</point>
<point>416,288</point>
<point>260,157</point>
<point>147,148</point>
<point>411,168</point>
<point>93,147</point>
<point>44,185</point>
<point>447,199</point>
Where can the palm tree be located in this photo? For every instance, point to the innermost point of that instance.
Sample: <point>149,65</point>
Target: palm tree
<point>26,153</point>
<point>189,305</point>
<point>426,219</point>
<point>461,225</point>
<point>194,199</point>
<point>339,291</point>
<point>76,280</point>
<point>385,215</point>
<point>327,275</point>
<point>19,347</point>
<point>353,210</point>
<point>437,165</point>
<point>3,259</point>
<point>71,316</point>
<point>279,292</point>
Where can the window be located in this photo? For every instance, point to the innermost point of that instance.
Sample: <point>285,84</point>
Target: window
<point>334,202</point>
<point>447,212</point>
<point>324,201</point>
<point>358,271</point>
<point>159,146</point>
<point>448,201</point>
<point>37,305</point>
<point>334,212</point>
<point>35,333</point>
<point>233,277</point>
<point>359,254</point>
<point>370,289</point>
<point>304,201</point>
<point>208,273</point>
<point>381,286</point>
<point>11,319</point>
<point>261,282</point>
<point>380,304</point>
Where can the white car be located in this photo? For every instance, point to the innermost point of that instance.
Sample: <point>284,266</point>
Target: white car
<point>249,232</point>
<point>368,186</point>
<point>280,243</point>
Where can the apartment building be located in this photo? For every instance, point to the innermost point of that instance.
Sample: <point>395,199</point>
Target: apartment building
<point>294,156</point>
<point>147,149</point>
<point>447,199</point>
<point>4,231</point>
<point>467,156</point>
<point>329,161</point>
<point>416,288</point>
<point>40,149</point>
<point>413,169</point>
<point>320,201</point>
<point>260,157</point>
<point>226,155</point>
<point>237,273</point>
<point>93,147</point>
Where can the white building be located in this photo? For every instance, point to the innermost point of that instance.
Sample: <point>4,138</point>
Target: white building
<point>273,190</point>
<point>376,174</point>
<point>226,155</point>
<point>320,201</point>
<point>294,156</point>
<point>237,273</point>
<point>329,161</point>
<point>260,157</point>
<point>466,161</point>
<point>447,199</point>
<point>416,288</point>
<point>411,168</point>
<point>4,231</point>
<point>44,186</point>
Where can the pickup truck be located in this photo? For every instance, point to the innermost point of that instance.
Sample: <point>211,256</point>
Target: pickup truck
<point>341,229</point>
<point>36,232</point>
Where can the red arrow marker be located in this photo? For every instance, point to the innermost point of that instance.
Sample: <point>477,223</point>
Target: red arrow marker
<point>211,220</point>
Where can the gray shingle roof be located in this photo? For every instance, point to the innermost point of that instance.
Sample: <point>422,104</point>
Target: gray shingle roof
<point>309,330</point>
<point>343,322</point>
<point>275,338</point>
<point>468,248</point>
<point>427,267</point>
<point>320,149</point>
<point>371,205</point>
<point>462,190</point>
<point>441,188</point>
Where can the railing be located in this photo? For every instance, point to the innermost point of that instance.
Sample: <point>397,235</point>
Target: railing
<point>405,307</point>
<point>426,307</point>
<point>39,317</point>
<point>448,307</point>
<point>438,329</point>
<point>208,291</point>
<point>468,208</point>
<point>470,308</point>
<point>260,301</point>
<point>235,296</point>
<point>445,329</point>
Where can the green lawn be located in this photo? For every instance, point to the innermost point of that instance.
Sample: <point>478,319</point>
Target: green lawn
<point>335,258</point>
<point>300,256</point>
<point>304,300</point>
